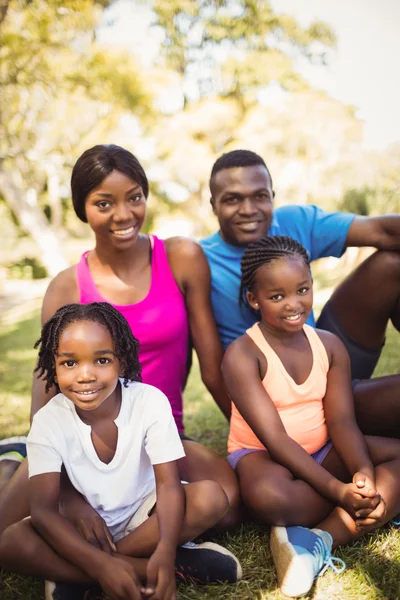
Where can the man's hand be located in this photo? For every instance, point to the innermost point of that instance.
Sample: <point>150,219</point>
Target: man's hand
<point>119,580</point>
<point>161,583</point>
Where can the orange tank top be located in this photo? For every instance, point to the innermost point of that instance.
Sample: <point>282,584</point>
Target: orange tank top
<point>300,406</point>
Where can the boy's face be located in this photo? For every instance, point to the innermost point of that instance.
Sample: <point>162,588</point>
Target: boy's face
<point>87,368</point>
<point>242,201</point>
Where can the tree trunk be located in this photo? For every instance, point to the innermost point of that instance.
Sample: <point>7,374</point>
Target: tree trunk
<point>33,222</point>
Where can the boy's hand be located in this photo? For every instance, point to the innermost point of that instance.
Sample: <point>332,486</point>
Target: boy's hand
<point>358,501</point>
<point>118,580</point>
<point>90,525</point>
<point>161,583</point>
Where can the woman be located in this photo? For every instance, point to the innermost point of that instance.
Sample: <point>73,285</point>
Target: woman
<point>161,287</point>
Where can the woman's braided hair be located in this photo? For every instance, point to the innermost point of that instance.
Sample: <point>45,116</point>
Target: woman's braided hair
<point>264,251</point>
<point>126,345</point>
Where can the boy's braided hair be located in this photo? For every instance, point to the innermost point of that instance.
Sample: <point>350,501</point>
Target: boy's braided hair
<point>264,251</point>
<point>126,345</point>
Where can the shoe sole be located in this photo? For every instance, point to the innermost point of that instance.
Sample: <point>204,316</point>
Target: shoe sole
<point>289,566</point>
<point>219,550</point>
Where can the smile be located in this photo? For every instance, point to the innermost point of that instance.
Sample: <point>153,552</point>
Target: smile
<point>248,225</point>
<point>123,232</point>
<point>87,392</point>
<point>293,318</point>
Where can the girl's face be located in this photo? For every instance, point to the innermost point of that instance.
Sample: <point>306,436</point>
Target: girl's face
<point>116,210</point>
<point>283,293</point>
<point>87,368</point>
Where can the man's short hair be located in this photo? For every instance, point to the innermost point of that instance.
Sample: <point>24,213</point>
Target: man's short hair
<point>237,158</point>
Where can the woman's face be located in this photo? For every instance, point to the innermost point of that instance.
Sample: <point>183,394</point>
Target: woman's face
<point>116,210</point>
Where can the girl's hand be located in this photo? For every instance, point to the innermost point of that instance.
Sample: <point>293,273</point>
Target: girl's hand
<point>364,483</point>
<point>356,501</point>
<point>374,519</point>
<point>161,582</point>
<point>119,581</point>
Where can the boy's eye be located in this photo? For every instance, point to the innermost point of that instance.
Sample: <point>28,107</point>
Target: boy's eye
<point>103,361</point>
<point>69,363</point>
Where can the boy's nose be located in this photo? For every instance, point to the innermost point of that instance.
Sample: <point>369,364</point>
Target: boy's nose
<point>86,374</point>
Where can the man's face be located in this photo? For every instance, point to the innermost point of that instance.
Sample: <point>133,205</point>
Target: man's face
<point>242,201</point>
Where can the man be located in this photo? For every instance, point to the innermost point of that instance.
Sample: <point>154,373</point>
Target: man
<point>358,310</point>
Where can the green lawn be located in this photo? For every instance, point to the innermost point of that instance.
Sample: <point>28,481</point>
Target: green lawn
<point>373,565</point>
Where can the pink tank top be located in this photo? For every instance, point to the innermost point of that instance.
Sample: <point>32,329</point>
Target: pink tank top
<point>300,406</point>
<point>160,323</point>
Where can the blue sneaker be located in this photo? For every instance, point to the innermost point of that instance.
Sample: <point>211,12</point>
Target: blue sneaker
<point>13,448</point>
<point>396,521</point>
<point>300,556</point>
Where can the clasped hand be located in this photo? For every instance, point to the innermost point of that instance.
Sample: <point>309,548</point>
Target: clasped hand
<point>363,502</point>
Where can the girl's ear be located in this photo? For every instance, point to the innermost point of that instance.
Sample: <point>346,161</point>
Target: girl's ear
<point>251,299</point>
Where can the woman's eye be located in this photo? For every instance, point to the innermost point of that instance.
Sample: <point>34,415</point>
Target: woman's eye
<point>103,204</point>
<point>136,198</point>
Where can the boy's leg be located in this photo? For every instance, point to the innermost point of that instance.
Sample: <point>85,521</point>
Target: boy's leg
<point>205,505</point>
<point>14,498</point>
<point>201,463</point>
<point>275,497</point>
<point>12,453</point>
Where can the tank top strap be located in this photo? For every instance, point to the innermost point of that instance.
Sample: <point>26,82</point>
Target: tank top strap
<point>161,271</point>
<point>88,291</point>
<point>256,335</point>
<point>318,349</point>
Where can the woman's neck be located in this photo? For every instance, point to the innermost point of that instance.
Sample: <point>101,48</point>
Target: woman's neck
<point>122,259</point>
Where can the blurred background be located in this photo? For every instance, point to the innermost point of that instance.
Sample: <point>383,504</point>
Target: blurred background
<point>311,86</point>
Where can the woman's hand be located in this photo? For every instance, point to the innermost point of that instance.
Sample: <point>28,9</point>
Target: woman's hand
<point>161,582</point>
<point>358,501</point>
<point>119,580</point>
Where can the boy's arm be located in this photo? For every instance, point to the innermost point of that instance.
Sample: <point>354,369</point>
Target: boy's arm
<point>170,514</point>
<point>64,539</point>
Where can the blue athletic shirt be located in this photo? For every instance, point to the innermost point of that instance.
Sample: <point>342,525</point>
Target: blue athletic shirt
<point>321,233</point>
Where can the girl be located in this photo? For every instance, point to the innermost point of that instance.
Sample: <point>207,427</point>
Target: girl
<point>117,440</point>
<point>294,441</point>
<point>163,290</point>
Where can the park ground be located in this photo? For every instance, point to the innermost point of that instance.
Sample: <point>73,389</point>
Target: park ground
<point>373,564</point>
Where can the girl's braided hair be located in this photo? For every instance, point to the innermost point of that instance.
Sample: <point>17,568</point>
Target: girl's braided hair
<point>126,345</point>
<point>264,251</point>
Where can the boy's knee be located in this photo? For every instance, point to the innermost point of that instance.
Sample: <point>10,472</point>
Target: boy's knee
<point>209,502</point>
<point>14,541</point>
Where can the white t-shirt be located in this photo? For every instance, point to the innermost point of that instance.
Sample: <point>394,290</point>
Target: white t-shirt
<point>147,435</point>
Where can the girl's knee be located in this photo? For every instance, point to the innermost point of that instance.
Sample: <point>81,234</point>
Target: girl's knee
<point>272,502</point>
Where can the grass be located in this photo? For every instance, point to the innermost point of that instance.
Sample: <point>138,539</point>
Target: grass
<point>373,564</point>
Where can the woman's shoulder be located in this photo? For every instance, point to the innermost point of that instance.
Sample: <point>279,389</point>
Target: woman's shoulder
<point>63,289</point>
<point>182,247</point>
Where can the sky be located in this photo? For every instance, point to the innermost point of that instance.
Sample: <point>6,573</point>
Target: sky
<point>363,70</point>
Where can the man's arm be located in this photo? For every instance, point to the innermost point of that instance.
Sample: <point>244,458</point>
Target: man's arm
<point>382,232</point>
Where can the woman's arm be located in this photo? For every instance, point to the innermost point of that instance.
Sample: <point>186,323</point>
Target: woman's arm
<point>339,411</point>
<point>192,274</point>
<point>244,367</point>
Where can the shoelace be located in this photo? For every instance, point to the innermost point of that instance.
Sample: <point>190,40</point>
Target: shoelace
<point>325,558</point>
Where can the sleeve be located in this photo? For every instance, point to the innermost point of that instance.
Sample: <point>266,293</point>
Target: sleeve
<point>43,456</point>
<point>322,233</point>
<point>162,441</point>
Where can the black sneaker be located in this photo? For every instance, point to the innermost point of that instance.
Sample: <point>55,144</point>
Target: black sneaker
<point>206,563</point>
<point>69,591</point>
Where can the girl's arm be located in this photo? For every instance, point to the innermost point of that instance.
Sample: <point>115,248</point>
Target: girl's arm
<point>339,411</point>
<point>111,573</point>
<point>192,274</point>
<point>243,367</point>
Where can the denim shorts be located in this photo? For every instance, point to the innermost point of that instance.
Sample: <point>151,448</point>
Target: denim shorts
<point>237,455</point>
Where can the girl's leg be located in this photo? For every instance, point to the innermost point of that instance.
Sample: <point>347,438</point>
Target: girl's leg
<point>206,504</point>
<point>385,455</point>
<point>201,463</point>
<point>275,497</point>
<point>23,551</point>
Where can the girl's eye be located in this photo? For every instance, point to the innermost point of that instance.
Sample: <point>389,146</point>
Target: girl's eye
<point>303,290</point>
<point>103,360</point>
<point>276,297</point>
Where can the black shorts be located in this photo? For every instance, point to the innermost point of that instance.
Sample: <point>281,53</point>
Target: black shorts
<point>363,360</point>
<point>184,437</point>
